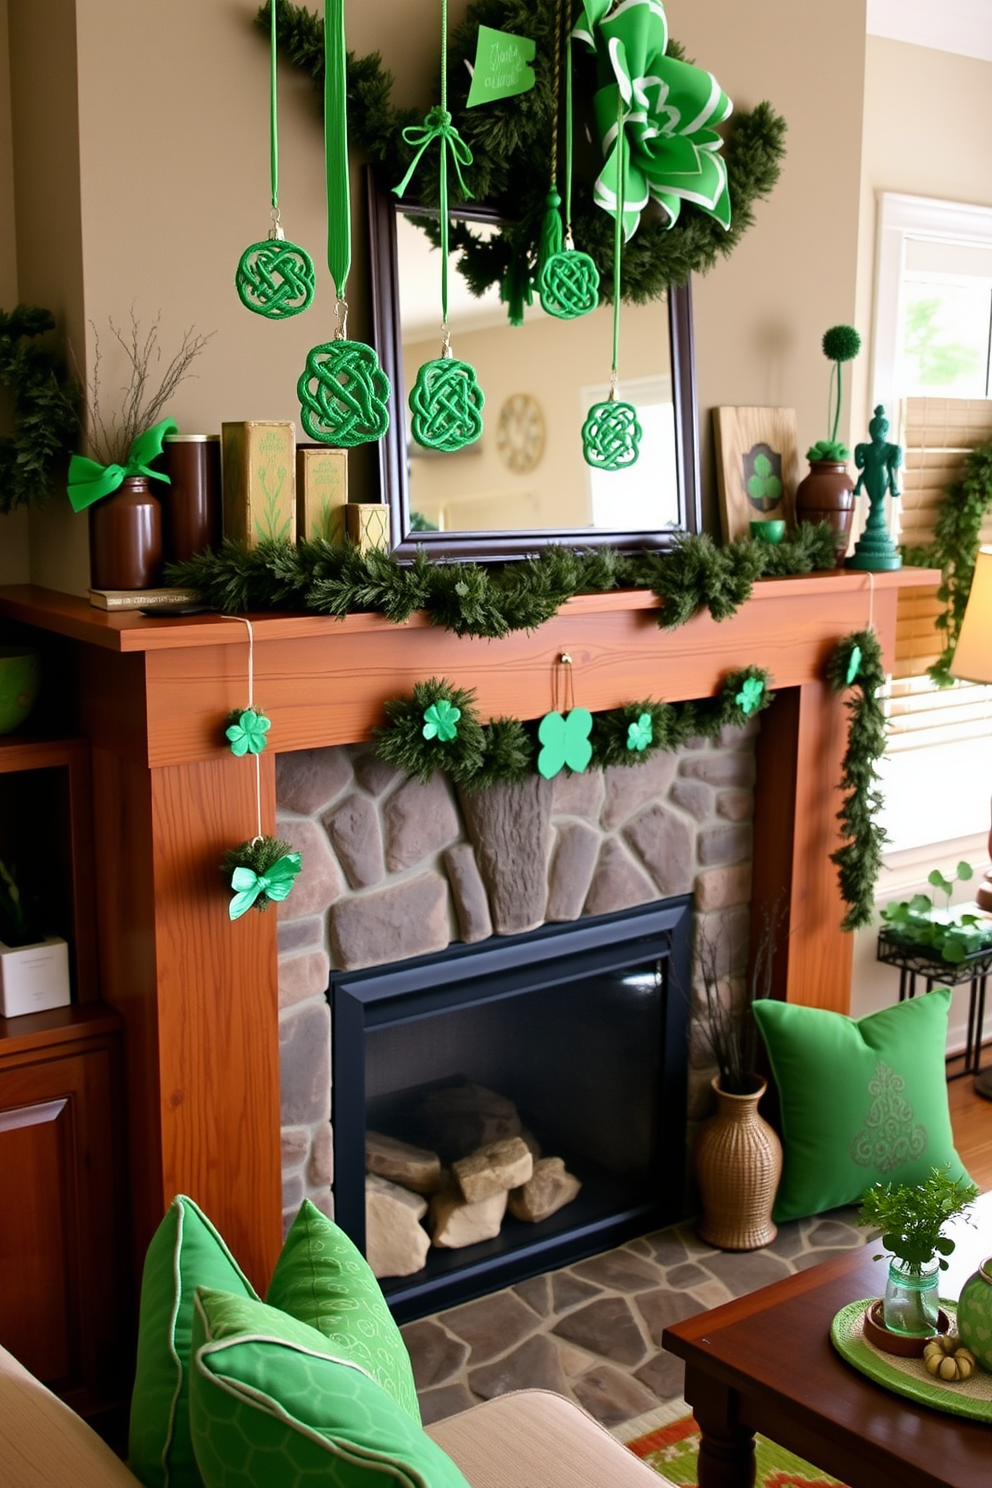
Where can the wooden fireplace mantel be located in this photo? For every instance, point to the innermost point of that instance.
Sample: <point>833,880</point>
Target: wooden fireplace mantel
<point>199,994</point>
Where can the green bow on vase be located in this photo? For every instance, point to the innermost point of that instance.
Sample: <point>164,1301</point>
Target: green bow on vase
<point>669,110</point>
<point>89,481</point>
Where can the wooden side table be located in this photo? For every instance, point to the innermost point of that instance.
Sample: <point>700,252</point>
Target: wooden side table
<point>914,962</point>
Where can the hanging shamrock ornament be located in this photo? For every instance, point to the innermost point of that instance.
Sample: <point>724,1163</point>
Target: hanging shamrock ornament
<point>564,736</point>
<point>446,400</point>
<point>568,280</point>
<point>343,391</point>
<point>611,434</point>
<point>275,278</point>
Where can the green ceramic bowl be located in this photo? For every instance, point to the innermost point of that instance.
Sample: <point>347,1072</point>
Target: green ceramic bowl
<point>20,678</point>
<point>771,530</point>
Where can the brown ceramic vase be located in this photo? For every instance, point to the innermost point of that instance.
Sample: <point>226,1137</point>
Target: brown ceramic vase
<point>826,494</point>
<point>738,1163</point>
<point>126,537</point>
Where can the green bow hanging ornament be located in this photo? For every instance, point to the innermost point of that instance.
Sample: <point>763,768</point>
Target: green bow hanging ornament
<point>568,280</point>
<point>668,113</point>
<point>343,391</point>
<point>564,736</point>
<point>446,400</point>
<point>89,480</point>
<point>275,278</point>
<point>262,872</point>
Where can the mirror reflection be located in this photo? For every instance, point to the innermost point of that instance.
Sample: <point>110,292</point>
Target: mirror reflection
<point>525,482</point>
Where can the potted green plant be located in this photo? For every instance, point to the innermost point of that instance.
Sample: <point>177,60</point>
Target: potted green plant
<point>738,1156</point>
<point>34,967</point>
<point>948,934</point>
<point>911,1218</point>
<point>826,494</point>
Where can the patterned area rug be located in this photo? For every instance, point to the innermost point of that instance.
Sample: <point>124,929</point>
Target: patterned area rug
<point>673,1450</point>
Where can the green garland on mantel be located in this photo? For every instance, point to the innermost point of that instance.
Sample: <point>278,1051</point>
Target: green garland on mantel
<point>510,142</point>
<point>479,599</point>
<point>477,755</point>
<point>957,533</point>
<point>856,665</point>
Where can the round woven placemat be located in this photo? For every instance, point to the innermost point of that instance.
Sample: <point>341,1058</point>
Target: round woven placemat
<point>971,1397</point>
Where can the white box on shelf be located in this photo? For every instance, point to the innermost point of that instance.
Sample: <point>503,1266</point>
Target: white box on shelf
<point>34,977</point>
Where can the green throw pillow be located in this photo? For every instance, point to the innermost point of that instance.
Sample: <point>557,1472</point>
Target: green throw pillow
<point>324,1280</point>
<point>270,1403</point>
<point>862,1101</point>
<point>186,1252</point>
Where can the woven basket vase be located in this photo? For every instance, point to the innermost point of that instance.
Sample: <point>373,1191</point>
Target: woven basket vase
<point>738,1163</point>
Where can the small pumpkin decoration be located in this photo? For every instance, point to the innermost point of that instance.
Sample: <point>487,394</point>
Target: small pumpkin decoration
<point>947,1358</point>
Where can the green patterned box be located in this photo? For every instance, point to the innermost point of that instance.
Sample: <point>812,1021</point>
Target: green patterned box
<point>321,492</point>
<point>368,525</point>
<point>258,472</point>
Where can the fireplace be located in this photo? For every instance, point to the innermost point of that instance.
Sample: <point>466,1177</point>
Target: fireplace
<point>579,1028</point>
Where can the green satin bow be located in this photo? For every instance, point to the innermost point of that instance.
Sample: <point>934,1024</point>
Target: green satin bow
<point>669,111</point>
<point>89,480</point>
<point>275,883</point>
<point>437,125</point>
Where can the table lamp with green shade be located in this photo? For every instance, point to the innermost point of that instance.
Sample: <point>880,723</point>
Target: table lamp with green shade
<point>973,659</point>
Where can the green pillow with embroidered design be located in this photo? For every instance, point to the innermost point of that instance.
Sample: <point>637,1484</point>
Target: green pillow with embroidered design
<point>862,1101</point>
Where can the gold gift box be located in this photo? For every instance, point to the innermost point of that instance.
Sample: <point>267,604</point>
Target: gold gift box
<point>368,525</point>
<point>321,493</point>
<point>258,475</point>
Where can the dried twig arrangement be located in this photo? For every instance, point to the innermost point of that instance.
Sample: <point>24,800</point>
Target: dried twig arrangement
<point>145,394</point>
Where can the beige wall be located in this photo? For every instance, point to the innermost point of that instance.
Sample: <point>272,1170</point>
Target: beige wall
<point>927,132</point>
<point>13,529</point>
<point>173,184</point>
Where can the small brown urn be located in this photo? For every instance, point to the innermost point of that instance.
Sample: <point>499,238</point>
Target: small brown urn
<point>826,494</point>
<point>126,537</point>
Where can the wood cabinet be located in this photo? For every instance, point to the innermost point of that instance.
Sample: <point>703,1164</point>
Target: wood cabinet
<point>66,1295</point>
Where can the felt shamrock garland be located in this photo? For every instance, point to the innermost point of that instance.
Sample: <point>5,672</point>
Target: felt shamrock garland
<point>568,279</point>
<point>446,400</point>
<point>275,278</point>
<point>262,869</point>
<point>439,729</point>
<point>343,391</point>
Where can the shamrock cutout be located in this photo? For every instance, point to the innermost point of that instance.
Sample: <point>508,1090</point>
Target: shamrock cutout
<point>274,883</point>
<point>763,486</point>
<point>247,732</point>
<point>853,665</point>
<point>750,695</point>
<point>640,733</point>
<point>566,742</point>
<point>441,720</point>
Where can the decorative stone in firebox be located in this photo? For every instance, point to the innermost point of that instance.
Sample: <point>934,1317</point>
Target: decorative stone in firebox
<point>395,869</point>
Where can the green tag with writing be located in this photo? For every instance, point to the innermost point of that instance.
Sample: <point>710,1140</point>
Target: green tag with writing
<point>502,66</point>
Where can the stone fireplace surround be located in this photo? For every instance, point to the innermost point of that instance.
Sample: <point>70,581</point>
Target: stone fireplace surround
<point>394,868</point>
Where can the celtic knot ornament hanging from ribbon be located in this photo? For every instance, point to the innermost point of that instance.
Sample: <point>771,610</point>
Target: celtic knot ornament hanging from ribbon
<point>611,435</point>
<point>275,277</point>
<point>343,394</point>
<point>446,402</point>
<point>569,284</point>
<point>669,111</point>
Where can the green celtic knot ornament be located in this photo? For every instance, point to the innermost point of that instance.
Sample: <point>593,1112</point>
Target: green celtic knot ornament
<point>343,393</point>
<point>275,278</point>
<point>569,285</point>
<point>446,402</point>
<point>611,435</point>
<point>566,742</point>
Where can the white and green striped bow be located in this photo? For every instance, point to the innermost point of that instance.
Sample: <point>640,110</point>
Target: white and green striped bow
<point>669,109</point>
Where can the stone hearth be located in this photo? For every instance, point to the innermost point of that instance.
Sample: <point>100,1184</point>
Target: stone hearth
<point>394,868</point>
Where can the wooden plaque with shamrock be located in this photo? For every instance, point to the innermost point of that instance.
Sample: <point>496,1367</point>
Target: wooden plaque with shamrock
<point>757,467</point>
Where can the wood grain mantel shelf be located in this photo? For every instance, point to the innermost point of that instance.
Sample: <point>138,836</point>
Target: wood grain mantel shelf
<point>199,995</point>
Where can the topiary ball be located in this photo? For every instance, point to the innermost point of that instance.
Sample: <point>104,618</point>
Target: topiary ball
<point>841,343</point>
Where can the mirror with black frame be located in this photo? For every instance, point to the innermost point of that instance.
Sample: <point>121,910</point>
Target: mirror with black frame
<point>525,484</point>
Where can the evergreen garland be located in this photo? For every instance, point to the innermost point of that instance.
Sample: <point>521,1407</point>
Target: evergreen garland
<point>957,533</point>
<point>857,664</point>
<point>485,600</point>
<point>45,400</point>
<point>506,750</point>
<point>510,140</point>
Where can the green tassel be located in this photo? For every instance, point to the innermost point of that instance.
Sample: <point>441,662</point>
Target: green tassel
<point>516,290</point>
<point>552,235</point>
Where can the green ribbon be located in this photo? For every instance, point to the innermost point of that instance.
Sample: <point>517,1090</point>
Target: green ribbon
<point>668,110</point>
<point>274,884</point>
<point>336,146</point>
<point>89,480</point>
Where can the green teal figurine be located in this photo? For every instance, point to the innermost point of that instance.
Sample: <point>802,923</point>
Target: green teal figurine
<point>878,461</point>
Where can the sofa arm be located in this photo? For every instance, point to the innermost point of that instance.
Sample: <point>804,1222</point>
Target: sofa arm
<point>536,1437</point>
<point>44,1444</point>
